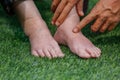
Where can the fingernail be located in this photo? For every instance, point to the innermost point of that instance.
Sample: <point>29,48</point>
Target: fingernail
<point>82,14</point>
<point>75,30</point>
<point>57,23</point>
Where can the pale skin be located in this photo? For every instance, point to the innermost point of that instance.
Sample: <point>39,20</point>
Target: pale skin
<point>77,42</point>
<point>42,43</point>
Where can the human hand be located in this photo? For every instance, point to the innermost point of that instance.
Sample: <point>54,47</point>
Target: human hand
<point>107,16</point>
<point>62,9</point>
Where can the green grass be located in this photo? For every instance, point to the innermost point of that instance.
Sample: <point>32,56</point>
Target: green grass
<point>17,63</point>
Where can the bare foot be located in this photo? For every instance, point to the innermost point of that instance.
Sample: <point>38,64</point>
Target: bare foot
<point>42,43</point>
<point>77,42</point>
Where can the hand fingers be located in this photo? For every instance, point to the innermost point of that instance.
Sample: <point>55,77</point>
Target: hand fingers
<point>64,14</point>
<point>98,23</point>
<point>58,11</point>
<point>112,26</point>
<point>84,22</point>
<point>79,8</point>
<point>54,5</point>
<point>105,26</point>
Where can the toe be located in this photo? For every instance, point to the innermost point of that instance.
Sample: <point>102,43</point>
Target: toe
<point>98,51</point>
<point>46,52</point>
<point>83,54</point>
<point>53,53</point>
<point>92,52</point>
<point>40,52</point>
<point>59,52</point>
<point>35,53</point>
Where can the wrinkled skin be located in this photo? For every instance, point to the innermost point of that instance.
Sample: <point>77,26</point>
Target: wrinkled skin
<point>106,14</point>
<point>62,8</point>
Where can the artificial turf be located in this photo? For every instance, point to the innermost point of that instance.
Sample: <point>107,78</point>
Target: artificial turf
<point>17,63</point>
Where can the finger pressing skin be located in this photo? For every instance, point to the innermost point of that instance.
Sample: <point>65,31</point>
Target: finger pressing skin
<point>58,11</point>
<point>79,8</point>
<point>98,23</point>
<point>105,26</point>
<point>112,26</point>
<point>54,5</point>
<point>89,18</point>
<point>64,14</point>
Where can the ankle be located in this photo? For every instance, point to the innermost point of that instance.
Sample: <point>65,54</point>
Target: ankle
<point>33,25</point>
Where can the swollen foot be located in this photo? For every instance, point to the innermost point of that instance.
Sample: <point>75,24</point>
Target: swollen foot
<point>77,42</point>
<point>42,43</point>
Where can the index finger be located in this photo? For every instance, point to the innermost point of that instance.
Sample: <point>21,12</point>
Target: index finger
<point>58,11</point>
<point>54,5</point>
<point>89,18</point>
<point>64,14</point>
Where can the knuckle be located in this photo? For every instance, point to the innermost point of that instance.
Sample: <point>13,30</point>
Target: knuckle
<point>58,12</point>
<point>72,1</point>
<point>103,16</point>
<point>70,4</point>
<point>92,16</point>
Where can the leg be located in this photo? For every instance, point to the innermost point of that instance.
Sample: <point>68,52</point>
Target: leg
<point>42,43</point>
<point>77,42</point>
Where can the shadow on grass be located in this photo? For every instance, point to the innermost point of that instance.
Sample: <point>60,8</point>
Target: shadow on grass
<point>108,40</point>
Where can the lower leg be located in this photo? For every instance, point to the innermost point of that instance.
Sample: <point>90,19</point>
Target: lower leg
<point>77,42</point>
<point>42,43</point>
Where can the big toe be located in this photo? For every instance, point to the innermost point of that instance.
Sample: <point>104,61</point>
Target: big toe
<point>83,54</point>
<point>98,51</point>
<point>35,53</point>
<point>94,52</point>
<point>47,53</point>
<point>56,52</point>
<point>41,53</point>
<point>59,52</point>
<point>53,53</point>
